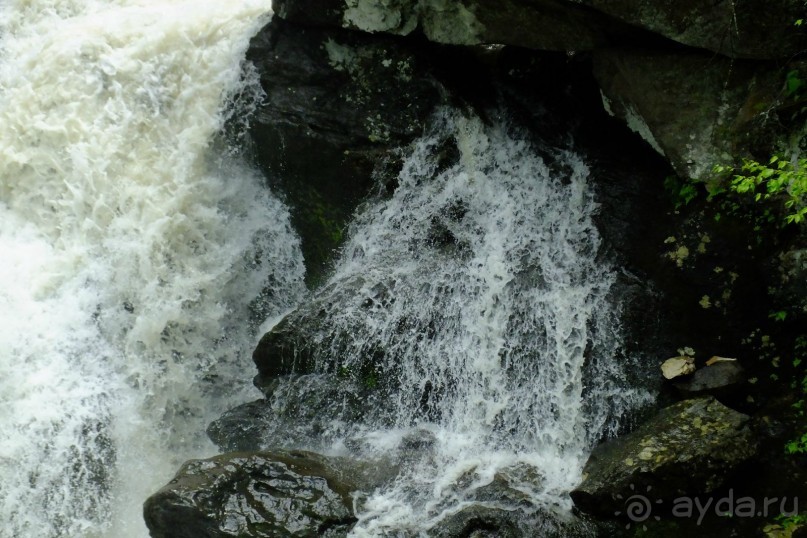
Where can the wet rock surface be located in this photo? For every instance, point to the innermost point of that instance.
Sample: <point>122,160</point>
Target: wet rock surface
<point>295,494</point>
<point>686,449</point>
<point>296,344</point>
<point>298,411</point>
<point>752,29</point>
<point>336,103</point>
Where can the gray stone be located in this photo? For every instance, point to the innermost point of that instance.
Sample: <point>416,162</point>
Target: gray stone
<point>717,378</point>
<point>695,109</point>
<point>686,449</point>
<point>244,495</point>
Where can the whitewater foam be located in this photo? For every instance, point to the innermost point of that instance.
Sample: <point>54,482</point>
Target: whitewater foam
<point>139,254</point>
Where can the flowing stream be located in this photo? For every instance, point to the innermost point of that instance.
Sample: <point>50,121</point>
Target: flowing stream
<point>136,248</point>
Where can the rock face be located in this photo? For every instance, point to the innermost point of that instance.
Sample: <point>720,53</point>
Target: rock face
<point>695,108</point>
<point>687,449</point>
<point>536,24</point>
<point>295,494</point>
<point>754,29</point>
<point>790,282</point>
<point>749,29</point>
<point>694,121</point>
<point>343,100</point>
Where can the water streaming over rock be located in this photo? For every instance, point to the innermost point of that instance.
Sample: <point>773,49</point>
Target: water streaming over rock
<point>135,251</point>
<point>472,312</point>
<point>469,326</point>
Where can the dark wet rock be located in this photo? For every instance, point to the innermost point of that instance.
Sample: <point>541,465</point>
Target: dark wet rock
<point>504,507</point>
<point>303,343</point>
<point>695,109</point>
<point>719,378</point>
<point>288,348</point>
<point>686,449</point>
<point>748,29</point>
<point>298,411</point>
<point>294,494</point>
<point>477,521</point>
<point>241,428</point>
<point>492,521</point>
<point>416,443</point>
<point>536,24</point>
<point>337,103</point>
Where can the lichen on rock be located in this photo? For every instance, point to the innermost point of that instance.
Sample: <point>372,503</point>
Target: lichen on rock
<point>687,449</point>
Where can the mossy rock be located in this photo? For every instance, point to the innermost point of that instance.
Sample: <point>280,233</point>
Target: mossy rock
<point>687,449</point>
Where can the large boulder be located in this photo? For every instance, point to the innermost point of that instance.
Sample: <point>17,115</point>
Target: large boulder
<point>336,103</point>
<point>536,24</point>
<point>687,449</point>
<point>747,29</point>
<point>245,495</point>
<point>695,109</point>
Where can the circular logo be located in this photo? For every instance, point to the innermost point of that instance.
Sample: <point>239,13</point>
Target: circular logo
<point>638,507</point>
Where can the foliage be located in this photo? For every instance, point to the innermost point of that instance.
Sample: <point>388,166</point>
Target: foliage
<point>779,179</point>
<point>797,446</point>
<point>681,192</point>
<point>792,522</point>
<point>794,84</point>
<point>779,183</point>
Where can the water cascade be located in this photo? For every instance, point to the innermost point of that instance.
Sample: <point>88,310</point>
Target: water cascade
<point>470,316</point>
<point>136,248</point>
<point>471,313</point>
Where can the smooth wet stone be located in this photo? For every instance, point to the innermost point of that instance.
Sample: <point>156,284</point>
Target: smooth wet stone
<point>261,494</point>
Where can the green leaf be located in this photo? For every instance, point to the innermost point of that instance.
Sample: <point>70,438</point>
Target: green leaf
<point>793,82</point>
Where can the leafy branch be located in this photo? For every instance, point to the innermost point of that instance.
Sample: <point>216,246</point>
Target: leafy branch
<point>780,178</point>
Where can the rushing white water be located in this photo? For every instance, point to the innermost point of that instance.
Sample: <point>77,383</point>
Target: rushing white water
<point>473,300</point>
<point>132,257</point>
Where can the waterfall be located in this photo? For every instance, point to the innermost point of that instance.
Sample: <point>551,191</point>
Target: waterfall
<point>475,306</point>
<point>139,253</point>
